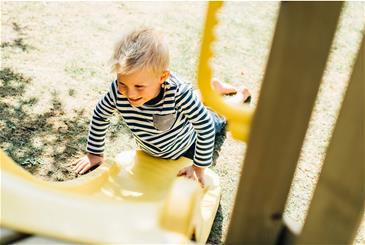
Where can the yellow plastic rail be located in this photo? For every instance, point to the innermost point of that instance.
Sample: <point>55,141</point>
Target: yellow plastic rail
<point>134,198</point>
<point>238,117</point>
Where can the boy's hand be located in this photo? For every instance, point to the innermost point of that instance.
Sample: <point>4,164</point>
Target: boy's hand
<point>86,162</point>
<point>193,172</point>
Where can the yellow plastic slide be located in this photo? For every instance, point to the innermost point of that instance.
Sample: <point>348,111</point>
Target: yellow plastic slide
<point>133,199</point>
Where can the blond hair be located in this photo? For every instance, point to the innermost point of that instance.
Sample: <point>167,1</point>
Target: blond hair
<point>144,48</point>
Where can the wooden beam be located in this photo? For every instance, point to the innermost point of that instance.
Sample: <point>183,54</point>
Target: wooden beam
<point>337,207</point>
<point>295,67</point>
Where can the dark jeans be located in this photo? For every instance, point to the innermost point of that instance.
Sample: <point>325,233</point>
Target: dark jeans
<point>219,126</point>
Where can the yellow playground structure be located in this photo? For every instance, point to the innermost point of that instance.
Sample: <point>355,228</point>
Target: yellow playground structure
<point>130,190</point>
<point>135,198</point>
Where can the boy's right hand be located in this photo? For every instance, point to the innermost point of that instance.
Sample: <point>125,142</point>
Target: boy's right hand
<point>86,162</point>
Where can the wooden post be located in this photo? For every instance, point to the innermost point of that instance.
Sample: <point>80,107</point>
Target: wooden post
<point>298,56</point>
<point>338,203</point>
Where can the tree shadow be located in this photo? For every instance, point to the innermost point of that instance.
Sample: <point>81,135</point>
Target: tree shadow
<point>38,142</point>
<point>44,143</point>
<point>19,41</point>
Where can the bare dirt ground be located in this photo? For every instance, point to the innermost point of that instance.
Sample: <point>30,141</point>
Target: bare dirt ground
<point>54,68</point>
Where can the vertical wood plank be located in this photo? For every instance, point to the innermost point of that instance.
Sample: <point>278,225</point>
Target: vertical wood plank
<point>338,203</point>
<point>295,67</point>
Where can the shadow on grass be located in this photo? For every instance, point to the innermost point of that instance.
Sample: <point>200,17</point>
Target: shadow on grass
<point>35,141</point>
<point>49,140</point>
<point>17,42</point>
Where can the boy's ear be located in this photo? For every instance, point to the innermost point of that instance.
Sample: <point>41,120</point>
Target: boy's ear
<point>164,76</point>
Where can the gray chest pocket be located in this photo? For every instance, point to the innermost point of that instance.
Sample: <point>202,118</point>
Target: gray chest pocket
<point>164,122</point>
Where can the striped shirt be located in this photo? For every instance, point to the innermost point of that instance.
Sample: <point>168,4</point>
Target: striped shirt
<point>164,128</point>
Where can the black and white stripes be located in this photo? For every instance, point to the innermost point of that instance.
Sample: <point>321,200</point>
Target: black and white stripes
<point>192,123</point>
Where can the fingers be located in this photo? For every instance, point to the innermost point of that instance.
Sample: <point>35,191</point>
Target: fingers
<point>74,163</point>
<point>187,174</point>
<point>182,172</point>
<point>201,181</point>
<point>192,177</point>
<point>82,165</point>
<point>85,168</point>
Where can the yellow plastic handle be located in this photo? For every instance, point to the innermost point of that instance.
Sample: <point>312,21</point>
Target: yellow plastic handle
<point>238,117</point>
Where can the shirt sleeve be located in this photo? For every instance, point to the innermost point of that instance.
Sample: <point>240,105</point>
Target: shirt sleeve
<point>101,120</point>
<point>191,106</point>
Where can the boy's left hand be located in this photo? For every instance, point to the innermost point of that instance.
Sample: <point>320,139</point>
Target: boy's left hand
<point>193,172</point>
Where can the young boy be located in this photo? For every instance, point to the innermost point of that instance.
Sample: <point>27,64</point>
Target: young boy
<point>166,117</point>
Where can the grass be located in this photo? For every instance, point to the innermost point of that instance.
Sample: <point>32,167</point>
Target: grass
<point>55,67</point>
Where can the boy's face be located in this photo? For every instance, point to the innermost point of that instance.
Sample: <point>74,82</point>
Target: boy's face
<point>141,86</point>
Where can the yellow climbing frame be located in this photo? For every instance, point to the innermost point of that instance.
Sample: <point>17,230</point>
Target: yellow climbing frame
<point>133,198</point>
<point>238,117</point>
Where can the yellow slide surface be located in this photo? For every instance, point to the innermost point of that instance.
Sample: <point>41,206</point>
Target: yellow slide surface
<point>134,198</point>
